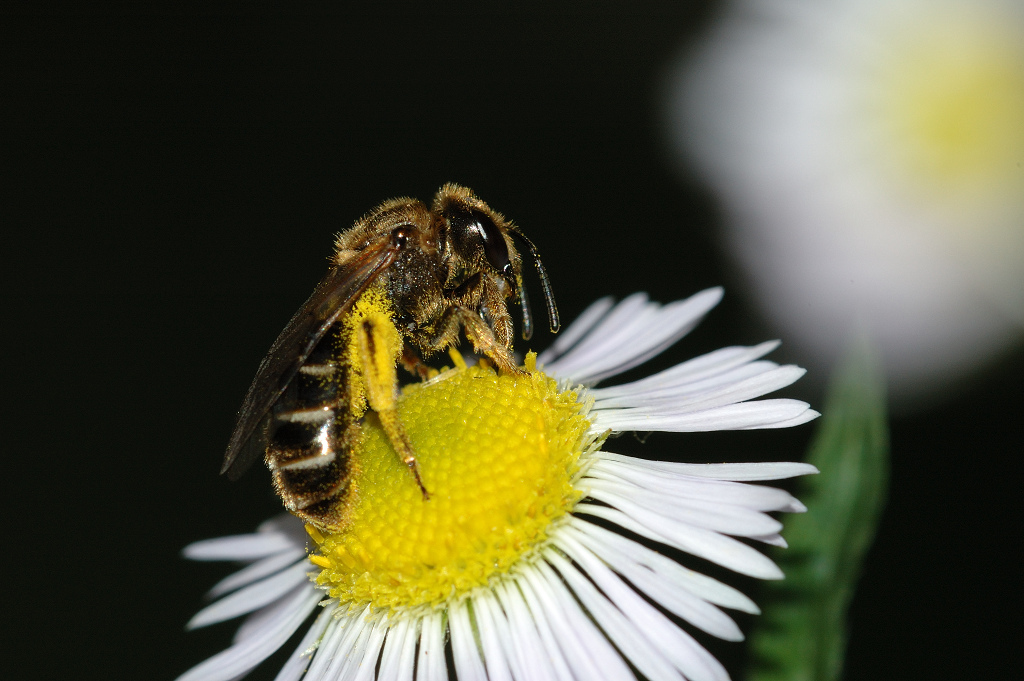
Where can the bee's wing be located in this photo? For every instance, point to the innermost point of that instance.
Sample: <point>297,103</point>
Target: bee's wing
<point>332,297</point>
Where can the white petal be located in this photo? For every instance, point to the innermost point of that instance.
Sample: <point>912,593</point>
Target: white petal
<point>795,507</point>
<point>740,385</point>
<point>258,570</point>
<point>287,525</point>
<point>393,644</point>
<point>777,413</point>
<point>283,618</point>
<point>583,645</point>
<point>633,561</point>
<point>296,665</point>
<point>363,661</point>
<point>797,420</point>
<point>579,327</point>
<point>468,665</point>
<point>727,518</point>
<point>690,393</point>
<point>592,345</point>
<point>639,632</point>
<point>489,617</point>
<point>325,651</point>
<point>635,645</point>
<point>538,659</point>
<point>254,624</point>
<point>630,334</point>
<point>242,547</point>
<point>772,540</point>
<point>757,497</point>
<point>702,586</point>
<point>396,663</point>
<point>407,660</point>
<point>431,664</point>
<point>718,363</point>
<point>715,547</point>
<point>652,334</point>
<point>252,597</point>
<point>337,644</point>
<point>716,471</point>
<point>347,660</point>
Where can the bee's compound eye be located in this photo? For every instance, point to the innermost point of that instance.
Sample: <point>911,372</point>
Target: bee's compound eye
<point>470,223</point>
<point>495,247</point>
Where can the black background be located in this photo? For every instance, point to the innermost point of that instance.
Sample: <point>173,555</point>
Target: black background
<point>170,185</point>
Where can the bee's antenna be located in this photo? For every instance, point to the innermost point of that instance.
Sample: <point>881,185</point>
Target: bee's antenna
<point>545,284</point>
<point>524,302</point>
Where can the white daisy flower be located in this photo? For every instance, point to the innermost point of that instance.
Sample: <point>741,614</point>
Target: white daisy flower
<point>505,563</point>
<point>869,154</point>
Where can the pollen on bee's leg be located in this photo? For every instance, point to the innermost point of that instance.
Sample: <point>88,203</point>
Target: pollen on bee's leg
<point>392,425</point>
<point>379,344</point>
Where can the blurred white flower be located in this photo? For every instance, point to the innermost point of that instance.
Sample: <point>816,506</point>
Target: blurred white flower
<point>869,156</point>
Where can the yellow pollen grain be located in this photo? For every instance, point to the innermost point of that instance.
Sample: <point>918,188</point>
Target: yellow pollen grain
<point>498,455</point>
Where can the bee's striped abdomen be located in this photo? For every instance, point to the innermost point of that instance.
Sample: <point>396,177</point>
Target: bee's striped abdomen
<point>310,436</point>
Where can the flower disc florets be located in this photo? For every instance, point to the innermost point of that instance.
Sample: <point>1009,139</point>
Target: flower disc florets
<point>498,455</point>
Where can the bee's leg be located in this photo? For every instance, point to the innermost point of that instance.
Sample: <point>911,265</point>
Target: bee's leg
<point>379,345</point>
<point>483,339</point>
<point>412,363</point>
<point>478,332</point>
<point>494,293</point>
<point>490,334</point>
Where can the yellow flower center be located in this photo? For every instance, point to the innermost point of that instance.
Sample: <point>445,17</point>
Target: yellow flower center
<point>498,455</point>
<point>953,95</point>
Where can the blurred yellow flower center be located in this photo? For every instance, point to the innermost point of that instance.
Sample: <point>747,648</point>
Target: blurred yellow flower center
<point>498,455</point>
<point>954,96</point>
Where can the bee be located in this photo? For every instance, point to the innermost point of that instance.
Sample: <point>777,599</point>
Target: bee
<point>404,282</point>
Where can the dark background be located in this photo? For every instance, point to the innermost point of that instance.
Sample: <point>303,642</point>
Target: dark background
<point>170,186</point>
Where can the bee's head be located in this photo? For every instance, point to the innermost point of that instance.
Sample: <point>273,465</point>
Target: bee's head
<point>481,240</point>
